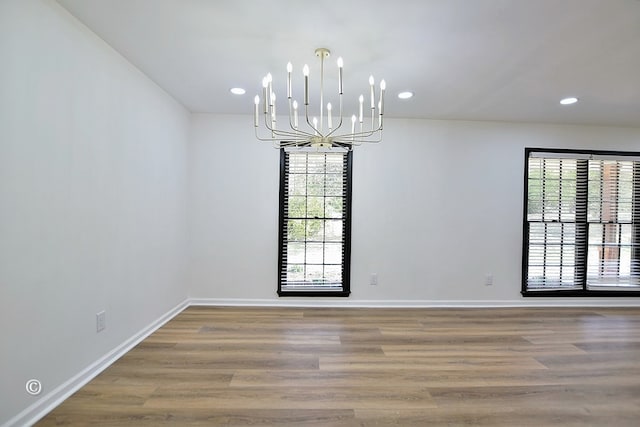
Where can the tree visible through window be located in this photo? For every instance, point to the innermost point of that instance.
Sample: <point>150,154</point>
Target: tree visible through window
<point>314,233</point>
<point>582,223</point>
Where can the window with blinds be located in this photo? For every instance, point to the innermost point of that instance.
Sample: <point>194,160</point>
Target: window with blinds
<point>315,223</point>
<point>581,223</point>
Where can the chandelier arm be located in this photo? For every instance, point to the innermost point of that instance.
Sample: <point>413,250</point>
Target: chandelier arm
<point>284,144</point>
<point>269,128</point>
<point>300,135</point>
<point>292,141</point>
<point>360,139</point>
<point>348,144</point>
<point>297,139</point>
<point>362,135</point>
<point>266,121</point>
<point>292,137</point>
<point>291,116</point>
<point>335,129</point>
<point>306,115</point>
<point>268,114</point>
<point>349,139</point>
<point>263,138</point>
<point>294,133</point>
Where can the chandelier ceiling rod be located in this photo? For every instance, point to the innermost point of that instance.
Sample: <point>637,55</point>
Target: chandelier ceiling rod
<point>313,132</point>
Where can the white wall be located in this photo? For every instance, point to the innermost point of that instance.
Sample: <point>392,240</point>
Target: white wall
<point>436,207</point>
<point>93,184</point>
<point>233,210</point>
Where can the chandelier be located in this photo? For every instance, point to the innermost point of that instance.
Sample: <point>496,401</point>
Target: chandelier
<point>323,131</point>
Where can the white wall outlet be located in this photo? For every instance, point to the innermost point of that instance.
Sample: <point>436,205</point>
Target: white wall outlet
<point>374,279</point>
<point>101,321</point>
<point>488,279</point>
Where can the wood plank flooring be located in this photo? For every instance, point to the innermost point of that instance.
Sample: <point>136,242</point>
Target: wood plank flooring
<point>230,366</point>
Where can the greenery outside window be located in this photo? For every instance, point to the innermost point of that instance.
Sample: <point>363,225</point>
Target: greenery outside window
<point>315,223</point>
<point>581,228</point>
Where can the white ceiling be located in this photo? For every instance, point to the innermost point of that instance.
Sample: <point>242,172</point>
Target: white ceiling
<point>507,60</point>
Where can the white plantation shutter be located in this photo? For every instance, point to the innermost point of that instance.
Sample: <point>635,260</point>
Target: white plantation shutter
<point>314,231</point>
<point>581,226</point>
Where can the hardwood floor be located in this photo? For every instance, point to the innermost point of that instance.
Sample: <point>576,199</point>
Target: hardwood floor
<point>373,367</point>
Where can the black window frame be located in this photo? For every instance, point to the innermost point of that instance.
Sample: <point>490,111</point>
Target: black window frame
<point>582,224</point>
<point>346,231</point>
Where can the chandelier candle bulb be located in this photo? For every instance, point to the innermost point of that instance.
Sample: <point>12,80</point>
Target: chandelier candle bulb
<point>329,117</point>
<point>361,99</point>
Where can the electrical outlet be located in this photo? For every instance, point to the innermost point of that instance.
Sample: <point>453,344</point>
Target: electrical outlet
<point>101,321</point>
<point>374,279</point>
<point>488,280</point>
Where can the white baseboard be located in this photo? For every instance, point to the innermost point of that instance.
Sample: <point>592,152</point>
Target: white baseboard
<point>48,402</point>
<point>345,303</point>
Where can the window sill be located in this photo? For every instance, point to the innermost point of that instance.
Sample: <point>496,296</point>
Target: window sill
<point>313,293</point>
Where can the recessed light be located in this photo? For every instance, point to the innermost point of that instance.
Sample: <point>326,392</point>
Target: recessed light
<point>405,95</point>
<point>569,100</point>
<point>238,91</point>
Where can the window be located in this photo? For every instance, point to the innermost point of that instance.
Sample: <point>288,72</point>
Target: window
<point>315,223</point>
<point>581,223</point>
